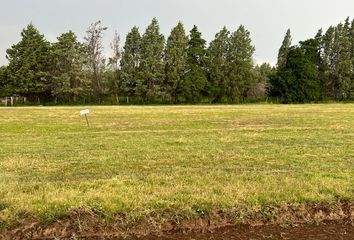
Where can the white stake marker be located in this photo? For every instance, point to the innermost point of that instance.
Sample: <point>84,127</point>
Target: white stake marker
<point>84,113</point>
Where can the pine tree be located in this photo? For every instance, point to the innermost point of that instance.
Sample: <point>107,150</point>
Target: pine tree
<point>28,69</point>
<point>151,74</point>
<point>69,58</point>
<point>195,79</point>
<point>329,63</point>
<point>130,63</point>
<point>344,67</point>
<point>241,77</point>
<point>175,61</point>
<point>338,62</point>
<point>284,49</point>
<point>218,65</point>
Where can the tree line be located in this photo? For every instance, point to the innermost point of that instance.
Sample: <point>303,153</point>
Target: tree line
<point>317,69</point>
<point>180,69</point>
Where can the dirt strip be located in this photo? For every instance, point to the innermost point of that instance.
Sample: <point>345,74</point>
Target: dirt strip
<point>330,230</point>
<point>307,221</point>
<point>325,231</point>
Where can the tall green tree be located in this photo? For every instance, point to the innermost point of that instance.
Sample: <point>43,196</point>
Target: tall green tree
<point>4,91</point>
<point>337,57</point>
<point>130,63</point>
<point>116,56</point>
<point>298,81</point>
<point>344,64</point>
<point>113,73</point>
<point>241,75</point>
<point>218,65</point>
<point>195,80</point>
<point>262,86</point>
<point>175,62</point>
<point>329,63</point>
<point>320,61</point>
<point>284,49</point>
<point>96,59</point>
<point>352,52</point>
<point>352,39</point>
<point>69,79</point>
<point>151,75</point>
<point>28,69</point>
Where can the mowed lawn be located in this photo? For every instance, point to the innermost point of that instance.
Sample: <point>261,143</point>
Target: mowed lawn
<point>185,160</point>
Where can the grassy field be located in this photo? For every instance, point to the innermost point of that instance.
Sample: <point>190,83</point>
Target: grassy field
<point>187,160</point>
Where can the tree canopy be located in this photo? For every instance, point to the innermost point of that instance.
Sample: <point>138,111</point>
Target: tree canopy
<point>182,68</point>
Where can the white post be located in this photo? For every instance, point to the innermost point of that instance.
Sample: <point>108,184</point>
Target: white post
<point>12,101</point>
<point>84,113</point>
<point>5,101</point>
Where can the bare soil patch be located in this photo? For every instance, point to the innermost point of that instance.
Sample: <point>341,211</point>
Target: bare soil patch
<point>310,221</point>
<point>339,230</point>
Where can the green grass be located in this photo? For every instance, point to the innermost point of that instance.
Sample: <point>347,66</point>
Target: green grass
<point>187,160</point>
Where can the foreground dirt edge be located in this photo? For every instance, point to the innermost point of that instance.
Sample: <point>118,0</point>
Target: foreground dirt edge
<point>84,224</point>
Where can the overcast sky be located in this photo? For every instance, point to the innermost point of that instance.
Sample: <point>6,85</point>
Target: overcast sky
<point>267,20</point>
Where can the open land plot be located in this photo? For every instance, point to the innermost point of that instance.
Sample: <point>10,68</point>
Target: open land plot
<point>171,163</point>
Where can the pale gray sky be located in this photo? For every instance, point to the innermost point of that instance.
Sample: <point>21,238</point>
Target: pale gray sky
<point>267,20</point>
